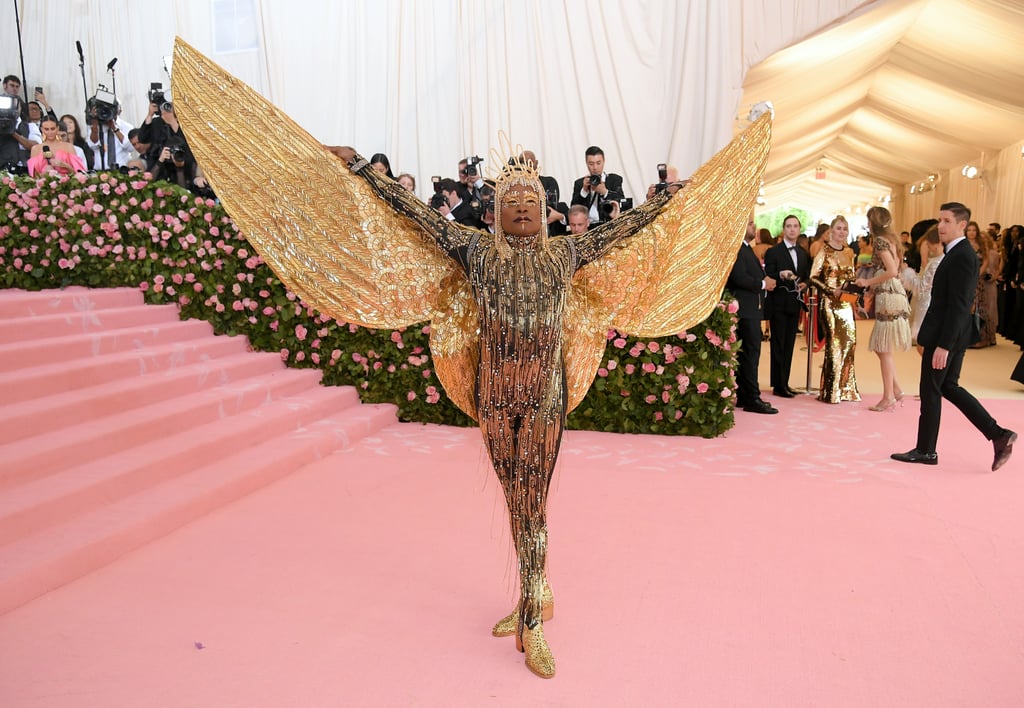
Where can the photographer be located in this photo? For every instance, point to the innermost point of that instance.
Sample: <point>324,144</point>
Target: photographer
<point>668,180</point>
<point>598,189</point>
<point>449,202</point>
<point>155,130</point>
<point>470,180</point>
<point>15,143</point>
<point>558,211</point>
<point>108,135</point>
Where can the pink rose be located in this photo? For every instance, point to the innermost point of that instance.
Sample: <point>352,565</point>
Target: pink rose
<point>702,387</point>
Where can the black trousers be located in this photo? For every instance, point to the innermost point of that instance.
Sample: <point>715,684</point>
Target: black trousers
<point>784,327</point>
<point>748,330</point>
<point>937,384</point>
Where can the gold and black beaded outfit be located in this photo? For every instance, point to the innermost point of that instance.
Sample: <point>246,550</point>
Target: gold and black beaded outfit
<point>518,327</point>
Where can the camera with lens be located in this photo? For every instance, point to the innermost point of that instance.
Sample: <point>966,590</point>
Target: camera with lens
<point>438,200</point>
<point>595,180</point>
<point>179,152</point>
<point>10,111</point>
<point>471,165</point>
<point>102,106</point>
<point>662,184</point>
<point>156,94</point>
<point>608,207</point>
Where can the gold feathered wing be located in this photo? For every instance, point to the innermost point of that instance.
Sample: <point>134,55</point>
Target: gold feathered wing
<point>343,250</point>
<point>670,274</point>
<point>322,229</point>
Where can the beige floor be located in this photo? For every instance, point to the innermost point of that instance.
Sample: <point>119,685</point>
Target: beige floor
<point>986,372</point>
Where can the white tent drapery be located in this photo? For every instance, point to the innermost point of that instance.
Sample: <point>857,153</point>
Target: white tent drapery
<point>879,93</point>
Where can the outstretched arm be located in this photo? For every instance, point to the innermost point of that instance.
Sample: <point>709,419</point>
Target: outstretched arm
<point>596,242</point>
<point>450,236</point>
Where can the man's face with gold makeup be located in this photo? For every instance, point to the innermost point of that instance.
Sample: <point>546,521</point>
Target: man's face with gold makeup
<point>520,211</point>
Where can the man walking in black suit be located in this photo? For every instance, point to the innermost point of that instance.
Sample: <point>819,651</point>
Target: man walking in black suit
<point>790,266</point>
<point>598,188</point>
<point>945,334</point>
<point>747,282</point>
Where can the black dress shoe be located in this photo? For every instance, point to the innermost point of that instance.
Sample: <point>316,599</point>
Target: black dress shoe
<point>1003,446</point>
<point>792,392</point>
<point>915,455</point>
<point>760,407</point>
<point>783,393</point>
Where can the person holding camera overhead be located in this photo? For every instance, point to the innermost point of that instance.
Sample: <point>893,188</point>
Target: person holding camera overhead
<point>790,266</point>
<point>598,189</point>
<point>110,146</point>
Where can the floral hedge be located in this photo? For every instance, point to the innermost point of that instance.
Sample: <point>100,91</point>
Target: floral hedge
<point>112,230</point>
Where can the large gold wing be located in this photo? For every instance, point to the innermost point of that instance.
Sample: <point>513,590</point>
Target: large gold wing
<point>323,230</point>
<point>670,274</point>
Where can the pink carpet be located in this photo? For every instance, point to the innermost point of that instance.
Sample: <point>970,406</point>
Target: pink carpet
<point>789,563</point>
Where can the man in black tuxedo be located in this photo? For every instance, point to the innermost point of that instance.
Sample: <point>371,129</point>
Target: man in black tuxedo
<point>747,282</point>
<point>597,188</point>
<point>945,334</point>
<point>454,208</point>
<point>790,266</point>
<point>558,211</point>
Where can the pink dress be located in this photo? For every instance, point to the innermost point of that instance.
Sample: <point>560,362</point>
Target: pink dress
<point>37,164</point>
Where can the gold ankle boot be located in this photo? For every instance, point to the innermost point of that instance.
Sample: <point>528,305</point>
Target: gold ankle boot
<point>507,626</point>
<point>538,655</point>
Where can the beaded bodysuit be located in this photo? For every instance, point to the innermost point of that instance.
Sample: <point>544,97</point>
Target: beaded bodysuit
<point>518,328</point>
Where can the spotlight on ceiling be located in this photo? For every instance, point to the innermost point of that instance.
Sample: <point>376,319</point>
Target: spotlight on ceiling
<point>970,172</point>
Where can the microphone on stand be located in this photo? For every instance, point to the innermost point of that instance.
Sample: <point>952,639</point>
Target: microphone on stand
<point>110,66</point>
<point>81,56</point>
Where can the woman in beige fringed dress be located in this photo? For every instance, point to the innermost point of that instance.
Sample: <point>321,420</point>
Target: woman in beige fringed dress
<point>891,332</point>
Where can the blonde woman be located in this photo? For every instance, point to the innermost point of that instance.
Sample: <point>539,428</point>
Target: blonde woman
<point>832,269</point>
<point>891,332</point>
<point>930,249</point>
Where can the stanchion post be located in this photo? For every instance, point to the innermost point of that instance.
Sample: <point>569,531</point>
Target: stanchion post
<point>812,326</point>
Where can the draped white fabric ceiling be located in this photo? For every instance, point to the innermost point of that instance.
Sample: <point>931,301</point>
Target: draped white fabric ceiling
<point>905,89</point>
<point>879,93</point>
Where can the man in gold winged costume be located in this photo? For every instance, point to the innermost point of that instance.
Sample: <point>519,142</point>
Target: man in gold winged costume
<point>519,320</point>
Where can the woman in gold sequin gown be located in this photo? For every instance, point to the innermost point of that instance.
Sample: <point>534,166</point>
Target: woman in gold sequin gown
<point>833,267</point>
<point>891,332</point>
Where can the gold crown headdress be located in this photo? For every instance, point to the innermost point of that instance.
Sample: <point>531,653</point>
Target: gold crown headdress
<point>510,168</point>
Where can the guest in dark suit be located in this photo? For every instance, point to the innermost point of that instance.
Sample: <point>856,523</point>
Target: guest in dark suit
<point>598,188</point>
<point>747,282</point>
<point>454,208</point>
<point>558,211</point>
<point>945,335</point>
<point>790,265</point>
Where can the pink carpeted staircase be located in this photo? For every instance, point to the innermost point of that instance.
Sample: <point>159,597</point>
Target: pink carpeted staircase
<point>120,423</point>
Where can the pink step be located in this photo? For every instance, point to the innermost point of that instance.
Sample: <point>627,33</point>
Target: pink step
<point>37,352</point>
<point>64,323</point>
<point>42,500</point>
<point>25,384</point>
<point>120,423</point>
<point>182,419</point>
<point>25,303</point>
<point>30,418</point>
<point>34,565</point>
